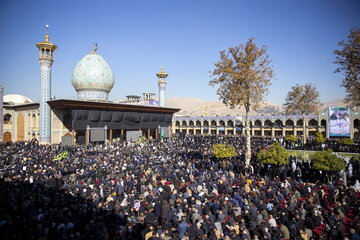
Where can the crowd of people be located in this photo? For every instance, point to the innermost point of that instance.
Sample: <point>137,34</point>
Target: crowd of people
<point>174,189</point>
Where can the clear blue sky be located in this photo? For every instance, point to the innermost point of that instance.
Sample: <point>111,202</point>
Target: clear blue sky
<point>136,38</point>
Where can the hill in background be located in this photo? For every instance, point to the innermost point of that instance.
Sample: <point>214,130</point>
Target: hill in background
<point>199,107</point>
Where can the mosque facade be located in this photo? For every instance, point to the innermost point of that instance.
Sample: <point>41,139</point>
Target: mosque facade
<point>50,121</point>
<point>270,126</point>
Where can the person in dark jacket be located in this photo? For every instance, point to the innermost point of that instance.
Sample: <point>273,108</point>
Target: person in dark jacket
<point>165,212</point>
<point>182,227</point>
<point>354,235</point>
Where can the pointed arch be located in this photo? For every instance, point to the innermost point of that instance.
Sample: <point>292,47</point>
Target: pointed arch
<point>20,127</point>
<point>278,123</point>
<point>267,123</point>
<point>356,123</point>
<point>7,137</point>
<point>289,123</point>
<point>299,123</point>
<point>313,123</point>
<point>257,123</point>
<point>323,123</point>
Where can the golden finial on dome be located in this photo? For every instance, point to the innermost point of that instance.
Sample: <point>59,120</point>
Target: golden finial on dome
<point>94,48</point>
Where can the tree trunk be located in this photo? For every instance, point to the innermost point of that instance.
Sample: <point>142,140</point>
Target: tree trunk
<point>248,143</point>
<point>304,129</point>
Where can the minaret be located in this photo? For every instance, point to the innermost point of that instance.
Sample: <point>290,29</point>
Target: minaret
<point>46,58</point>
<point>162,84</point>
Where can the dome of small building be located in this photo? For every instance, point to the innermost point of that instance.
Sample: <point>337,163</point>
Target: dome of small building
<point>92,78</point>
<point>16,99</point>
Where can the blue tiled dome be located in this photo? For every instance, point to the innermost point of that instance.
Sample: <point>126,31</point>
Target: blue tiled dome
<point>92,78</point>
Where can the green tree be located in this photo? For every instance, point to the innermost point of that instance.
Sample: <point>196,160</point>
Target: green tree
<point>319,138</point>
<point>223,151</point>
<point>348,59</point>
<point>327,161</point>
<point>275,155</point>
<point>346,141</point>
<point>302,100</point>
<point>292,138</point>
<point>243,74</point>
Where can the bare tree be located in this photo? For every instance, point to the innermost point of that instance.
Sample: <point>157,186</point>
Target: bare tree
<point>348,59</point>
<point>243,74</point>
<point>302,100</point>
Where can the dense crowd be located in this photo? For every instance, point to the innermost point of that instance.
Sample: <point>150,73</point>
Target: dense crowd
<point>170,190</point>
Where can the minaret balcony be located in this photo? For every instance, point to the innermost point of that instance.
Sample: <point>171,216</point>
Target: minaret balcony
<point>46,56</point>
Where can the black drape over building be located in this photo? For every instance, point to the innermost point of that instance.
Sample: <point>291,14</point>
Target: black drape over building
<point>81,118</point>
<point>77,116</point>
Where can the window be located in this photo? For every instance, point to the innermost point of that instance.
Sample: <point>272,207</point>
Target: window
<point>7,119</point>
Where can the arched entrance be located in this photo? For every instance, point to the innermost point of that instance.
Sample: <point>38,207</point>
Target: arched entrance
<point>257,123</point>
<point>289,123</point>
<point>20,128</point>
<point>7,137</point>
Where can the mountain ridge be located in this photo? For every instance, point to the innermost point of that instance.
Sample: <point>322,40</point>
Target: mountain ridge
<point>199,107</point>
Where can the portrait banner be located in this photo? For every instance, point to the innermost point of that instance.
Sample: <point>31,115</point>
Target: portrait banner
<point>339,122</point>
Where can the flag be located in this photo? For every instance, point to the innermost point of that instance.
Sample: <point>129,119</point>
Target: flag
<point>62,155</point>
